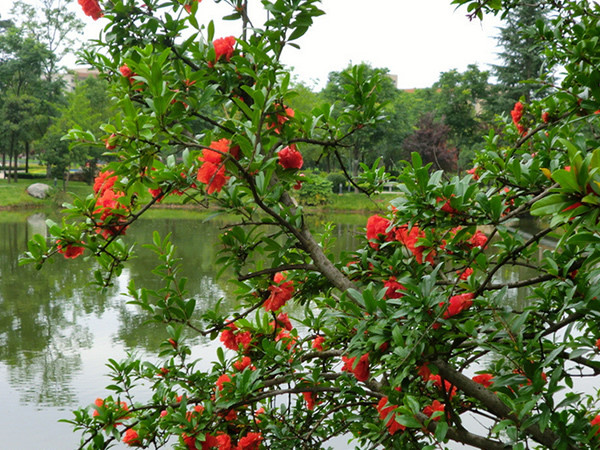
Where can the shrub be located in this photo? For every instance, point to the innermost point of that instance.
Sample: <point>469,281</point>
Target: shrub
<point>316,190</point>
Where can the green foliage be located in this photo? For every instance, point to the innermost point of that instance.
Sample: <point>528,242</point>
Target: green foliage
<point>337,179</point>
<point>316,190</point>
<point>87,107</point>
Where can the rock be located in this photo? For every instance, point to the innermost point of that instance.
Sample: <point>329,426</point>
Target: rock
<point>38,190</point>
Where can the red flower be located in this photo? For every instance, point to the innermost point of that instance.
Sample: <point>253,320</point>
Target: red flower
<point>458,303</point>
<point>290,158</point>
<point>282,115</point>
<point>244,339</point>
<point>221,380</point>
<point>156,193</point>
<point>105,180</point>
<point>447,388</point>
<point>446,207</point>
<point>224,47</point>
<point>99,404</point>
<point>281,321</point>
<point>517,115</point>
<point>360,370</point>
<point>70,250</point>
<point>131,438</point>
<point>109,142</point>
<point>545,117</point>
<point>228,337</point>
<point>188,7</point>
<point>424,372</point>
<point>287,339</point>
<point>190,441</point>
<point>595,422</point>
<point>91,8</point>
<point>213,176</point>
<point>310,399</point>
<point>517,112</point>
<point>409,239</point>
<point>280,293</point>
<point>250,442</point>
<point>243,363</point>
<point>393,288</point>
<point>384,412</point>
<point>463,275</point>
<point>126,71</point>
<point>112,212</point>
<point>317,343</point>
<point>479,239</point>
<point>485,379</point>
<point>474,173</point>
<point>598,344</point>
<point>377,230</point>
<point>223,439</point>
<point>430,409</point>
<point>210,155</point>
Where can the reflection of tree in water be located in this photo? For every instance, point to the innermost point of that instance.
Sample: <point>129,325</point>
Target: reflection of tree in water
<point>195,242</point>
<point>136,332</point>
<point>40,339</point>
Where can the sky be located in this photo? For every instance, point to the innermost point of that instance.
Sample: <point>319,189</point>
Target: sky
<point>415,39</point>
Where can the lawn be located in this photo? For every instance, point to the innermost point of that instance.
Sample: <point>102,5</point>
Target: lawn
<point>14,196</point>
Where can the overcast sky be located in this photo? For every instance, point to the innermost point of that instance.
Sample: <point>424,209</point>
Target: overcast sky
<point>415,39</point>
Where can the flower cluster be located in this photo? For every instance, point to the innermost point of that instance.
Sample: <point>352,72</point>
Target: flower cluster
<point>232,338</point>
<point>360,369</point>
<point>379,229</point>
<point>517,115</point>
<point>223,48</point>
<point>70,251</point>
<point>212,171</point>
<point>290,158</point>
<point>282,115</point>
<point>281,292</point>
<point>386,410</point>
<point>112,213</point>
<point>457,304</point>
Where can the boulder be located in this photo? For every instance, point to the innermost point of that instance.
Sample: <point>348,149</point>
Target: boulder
<point>38,190</point>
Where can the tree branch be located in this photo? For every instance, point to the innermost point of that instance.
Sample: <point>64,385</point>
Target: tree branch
<point>493,404</point>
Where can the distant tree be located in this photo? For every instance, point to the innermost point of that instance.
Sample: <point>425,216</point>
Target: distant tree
<point>87,108</point>
<point>521,57</point>
<point>462,101</point>
<point>303,103</point>
<point>384,137</point>
<point>430,140</point>
<point>23,105</point>
<point>51,23</point>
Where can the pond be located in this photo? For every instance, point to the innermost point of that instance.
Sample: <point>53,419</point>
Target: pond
<point>57,332</point>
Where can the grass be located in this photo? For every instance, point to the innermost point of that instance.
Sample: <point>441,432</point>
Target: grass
<point>14,196</point>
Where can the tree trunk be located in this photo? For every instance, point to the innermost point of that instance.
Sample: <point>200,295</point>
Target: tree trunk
<point>16,167</point>
<point>27,148</point>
